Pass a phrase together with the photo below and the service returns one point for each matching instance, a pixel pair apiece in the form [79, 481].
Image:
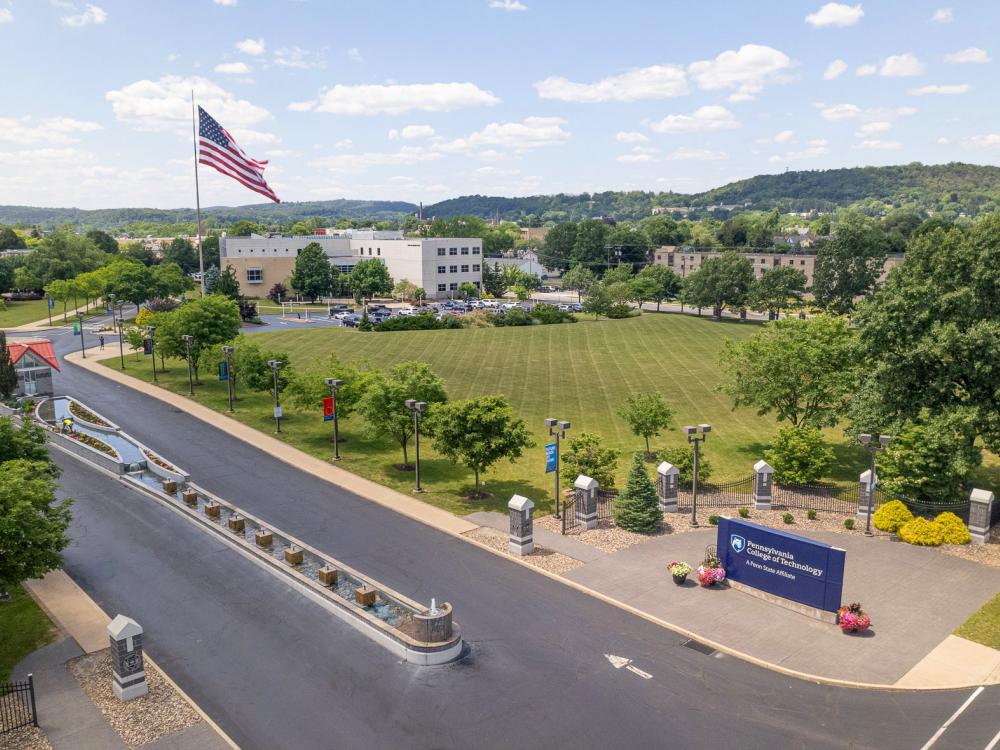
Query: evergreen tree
[227, 284]
[637, 508]
[8, 377]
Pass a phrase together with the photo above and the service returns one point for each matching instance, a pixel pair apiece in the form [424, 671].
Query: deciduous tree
[647, 415]
[312, 276]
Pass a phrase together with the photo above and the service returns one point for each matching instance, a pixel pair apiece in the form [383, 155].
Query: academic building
[439, 265]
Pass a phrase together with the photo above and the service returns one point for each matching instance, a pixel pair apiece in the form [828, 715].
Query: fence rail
[605, 510]
[17, 705]
[735, 494]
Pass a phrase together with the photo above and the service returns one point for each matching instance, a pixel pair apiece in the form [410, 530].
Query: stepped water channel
[422, 635]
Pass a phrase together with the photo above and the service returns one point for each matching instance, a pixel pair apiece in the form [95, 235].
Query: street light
[692, 436]
[418, 408]
[276, 365]
[557, 429]
[187, 338]
[334, 388]
[117, 323]
[150, 330]
[228, 351]
[874, 448]
[83, 347]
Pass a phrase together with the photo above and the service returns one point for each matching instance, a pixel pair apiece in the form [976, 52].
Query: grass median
[23, 629]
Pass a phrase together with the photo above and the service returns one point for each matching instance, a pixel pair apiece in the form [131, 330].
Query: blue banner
[52, 303]
[550, 458]
[787, 565]
[223, 371]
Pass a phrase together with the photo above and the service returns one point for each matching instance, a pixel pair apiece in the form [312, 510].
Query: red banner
[328, 408]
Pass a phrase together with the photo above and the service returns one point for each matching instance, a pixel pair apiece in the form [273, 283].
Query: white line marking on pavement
[993, 742]
[939, 732]
[617, 661]
[643, 675]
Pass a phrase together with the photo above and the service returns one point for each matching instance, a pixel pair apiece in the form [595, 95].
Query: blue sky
[505, 97]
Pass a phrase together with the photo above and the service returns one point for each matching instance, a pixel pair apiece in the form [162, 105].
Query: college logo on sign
[737, 542]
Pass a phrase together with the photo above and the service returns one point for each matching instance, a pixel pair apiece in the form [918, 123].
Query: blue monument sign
[786, 565]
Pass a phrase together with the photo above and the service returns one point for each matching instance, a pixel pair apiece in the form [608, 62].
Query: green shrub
[479, 319]
[550, 314]
[713, 519]
[514, 317]
[417, 323]
[798, 455]
[637, 507]
[811, 515]
[621, 311]
[788, 518]
[953, 530]
[891, 516]
[744, 513]
[849, 524]
[588, 456]
[683, 459]
[922, 532]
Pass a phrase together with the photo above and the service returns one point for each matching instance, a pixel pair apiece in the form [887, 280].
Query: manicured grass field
[19, 313]
[23, 628]
[580, 372]
[984, 626]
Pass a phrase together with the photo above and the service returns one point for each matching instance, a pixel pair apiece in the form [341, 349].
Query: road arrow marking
[617, 661]
[643, 675]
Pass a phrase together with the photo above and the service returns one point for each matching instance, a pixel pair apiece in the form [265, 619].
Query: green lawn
[23, 628]
[579, 372]
[984, 626]
[19, 313]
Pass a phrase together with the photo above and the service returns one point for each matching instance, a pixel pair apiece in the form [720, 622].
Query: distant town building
[534, 234]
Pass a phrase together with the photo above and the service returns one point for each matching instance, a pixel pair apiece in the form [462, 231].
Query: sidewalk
[67, 715]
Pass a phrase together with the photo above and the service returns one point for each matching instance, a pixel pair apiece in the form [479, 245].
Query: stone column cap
[866, 476]
[123, 627]
[763, 467]
[981, 496]
[585, 483]
[667, 468]
[521, 503]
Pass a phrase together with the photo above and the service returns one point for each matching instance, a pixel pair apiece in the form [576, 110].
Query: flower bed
[158, 461]
[80, 411]
[711, 572]
[94, 443]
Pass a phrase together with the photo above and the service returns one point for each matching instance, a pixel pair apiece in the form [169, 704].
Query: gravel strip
[554, 562]
[141, 720]
[25, 738]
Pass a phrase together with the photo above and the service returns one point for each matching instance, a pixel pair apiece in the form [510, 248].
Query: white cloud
[228, 3]
[711, 117]
[251, 46]
[246, 137]
[991, 140]
[747, 70]
[835, 14]
[354, 54]
[878, 145]
[654, 82]
[54, 130]
[630, 136]
[411, 132]
[873, 128]
[834, 70]
[943, 15]
[961, 88]
[819, 142]
[92, 14]
[508, 5]
[165, 104]
[232, 68]
[296, 57]
[696, 154]
[841, 112]
[942, 141]
[814, 151]
[635, 158]
[6, 16]
[866, 70]
[344, 143]
[394, 99]
[900, 66]
[969, 56]
[360, 162]
[785, 136]
[531, 132]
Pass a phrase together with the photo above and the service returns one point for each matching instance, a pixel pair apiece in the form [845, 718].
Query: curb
[220, 421]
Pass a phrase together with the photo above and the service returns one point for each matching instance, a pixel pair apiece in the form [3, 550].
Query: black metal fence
[17, 705]
[605, 510]
[821, 497]
[735, 494]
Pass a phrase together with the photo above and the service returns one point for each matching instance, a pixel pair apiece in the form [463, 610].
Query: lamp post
[692, 436]
[874, 447]
[228, 352]
[117, 322]
[418, 408]
[276, 365]
[187, 338]
[150, 330]
[83, 346]
[557, 429]
[334, 389]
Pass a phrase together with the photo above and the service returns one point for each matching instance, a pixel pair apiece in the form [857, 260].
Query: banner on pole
[223, 371]
[76, 328]
[277, 412]
[550, 458]
[328, 408]
[147, 346]
[52, 303]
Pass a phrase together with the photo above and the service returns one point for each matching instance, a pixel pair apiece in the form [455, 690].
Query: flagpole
[197, 195]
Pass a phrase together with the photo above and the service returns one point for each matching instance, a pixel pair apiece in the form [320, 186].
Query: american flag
[219, 150]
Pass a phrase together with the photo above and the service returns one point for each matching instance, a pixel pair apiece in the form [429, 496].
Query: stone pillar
[128, 673]
[980, 515]
[866, 494]
[432, 626]
[585, 504]
[666, 486]
[763, 485]
[522, 539]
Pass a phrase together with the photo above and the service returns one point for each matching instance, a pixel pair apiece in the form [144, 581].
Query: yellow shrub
[891, 516]
[952, 528]
[144, 317]
[922, 532]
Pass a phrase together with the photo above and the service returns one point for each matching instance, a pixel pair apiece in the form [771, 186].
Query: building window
[255, 275]
[453, 286]
[441, 269]
[442, 287]
[475, 267]
[478, 285]
[465, 251]
[452, 269]
[475, 251]
[802, 262]
[441, 251]
[452, 251]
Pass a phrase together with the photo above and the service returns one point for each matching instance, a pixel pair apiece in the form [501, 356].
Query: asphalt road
[275, 670]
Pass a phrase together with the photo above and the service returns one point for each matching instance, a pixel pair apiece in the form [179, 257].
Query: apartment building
[440, 265]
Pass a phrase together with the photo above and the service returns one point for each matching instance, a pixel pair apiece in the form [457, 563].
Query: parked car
[339, 307]
[573, 307]
[343, 314]
[488, 303]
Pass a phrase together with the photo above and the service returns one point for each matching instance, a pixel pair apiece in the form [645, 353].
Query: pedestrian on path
[100, 340]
